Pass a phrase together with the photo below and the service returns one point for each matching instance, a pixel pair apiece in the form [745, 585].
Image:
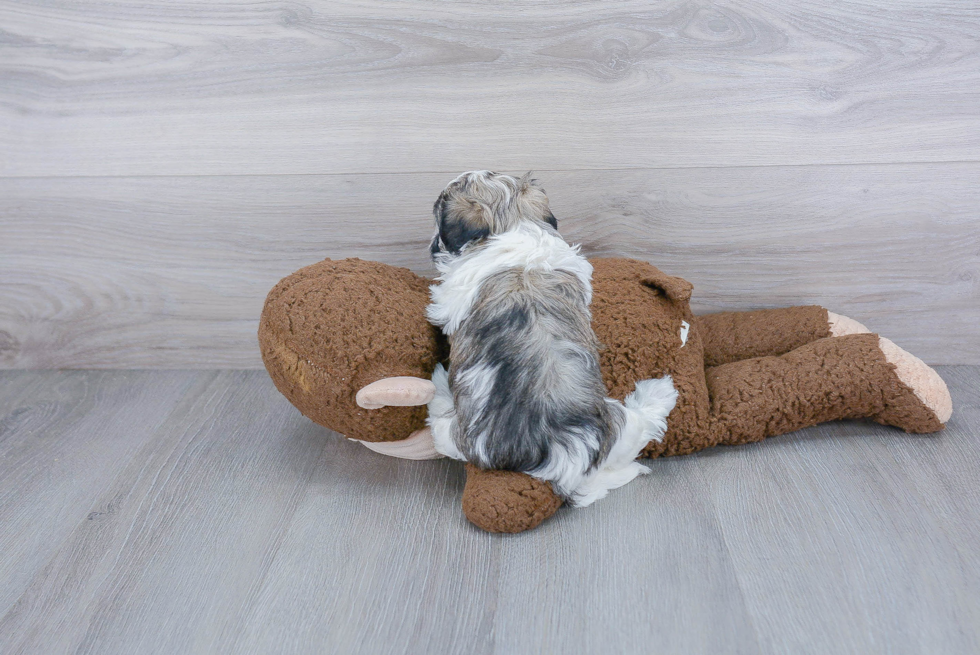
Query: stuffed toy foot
[924, 382]
[846, 377]
[930, 408]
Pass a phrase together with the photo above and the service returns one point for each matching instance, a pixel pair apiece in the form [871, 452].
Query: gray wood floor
[198, 512]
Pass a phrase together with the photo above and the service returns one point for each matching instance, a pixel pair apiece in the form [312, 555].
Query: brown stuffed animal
[348, 343]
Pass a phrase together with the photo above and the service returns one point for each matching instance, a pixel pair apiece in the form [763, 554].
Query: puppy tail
[646, 420]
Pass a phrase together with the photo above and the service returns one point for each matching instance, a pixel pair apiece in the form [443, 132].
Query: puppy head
[479, 204]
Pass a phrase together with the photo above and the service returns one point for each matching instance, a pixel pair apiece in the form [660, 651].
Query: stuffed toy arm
[496, 501]
[507, 501]
[401, 391]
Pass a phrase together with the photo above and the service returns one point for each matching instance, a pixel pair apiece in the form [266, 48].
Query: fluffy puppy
[523, 391]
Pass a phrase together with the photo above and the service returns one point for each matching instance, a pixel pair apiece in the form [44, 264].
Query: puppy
[523, 391]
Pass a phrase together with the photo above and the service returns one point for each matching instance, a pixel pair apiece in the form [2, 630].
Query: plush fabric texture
[829, 379]
[331, 328]
[334, 327]
[504, 501]
[734, 336]
[637, 311]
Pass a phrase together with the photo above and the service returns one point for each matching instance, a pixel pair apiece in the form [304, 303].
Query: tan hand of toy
[400, 391]
[418, 446]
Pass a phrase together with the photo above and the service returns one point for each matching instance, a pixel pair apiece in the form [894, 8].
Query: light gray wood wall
[163, 164]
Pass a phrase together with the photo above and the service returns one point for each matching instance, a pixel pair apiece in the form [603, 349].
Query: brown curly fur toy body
[332, 328]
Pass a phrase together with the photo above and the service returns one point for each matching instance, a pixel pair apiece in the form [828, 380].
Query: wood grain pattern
[228, 523]
[172, 272]
[61, 441]
[163, 164]
[191, 491]
[856, 511]
[158, 88]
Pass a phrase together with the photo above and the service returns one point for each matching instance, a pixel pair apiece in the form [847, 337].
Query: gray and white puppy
[523, 391]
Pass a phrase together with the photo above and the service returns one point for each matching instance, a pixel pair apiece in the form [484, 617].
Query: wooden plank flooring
[198, 512]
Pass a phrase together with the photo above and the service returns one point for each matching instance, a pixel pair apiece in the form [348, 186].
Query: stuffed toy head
[333, 328]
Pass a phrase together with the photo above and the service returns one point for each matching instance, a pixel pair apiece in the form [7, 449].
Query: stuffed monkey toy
[347, 342]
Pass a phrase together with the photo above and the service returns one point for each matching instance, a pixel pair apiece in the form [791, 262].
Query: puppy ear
[462, 223]
[535, 195]
[551, 220]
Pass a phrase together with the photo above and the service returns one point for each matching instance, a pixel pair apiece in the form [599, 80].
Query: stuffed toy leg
[784, 384]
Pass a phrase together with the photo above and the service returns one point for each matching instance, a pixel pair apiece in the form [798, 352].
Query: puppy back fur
[525, 373]
[524, 391]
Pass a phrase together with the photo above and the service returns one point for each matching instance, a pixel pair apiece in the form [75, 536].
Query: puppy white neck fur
[529, 246]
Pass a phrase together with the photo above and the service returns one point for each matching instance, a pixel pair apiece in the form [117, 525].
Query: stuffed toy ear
[506, 501]
[675, 287]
